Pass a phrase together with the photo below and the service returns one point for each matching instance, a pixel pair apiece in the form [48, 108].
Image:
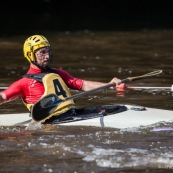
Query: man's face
[43, 56]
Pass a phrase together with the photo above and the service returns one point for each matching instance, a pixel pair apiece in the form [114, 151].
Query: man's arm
[88, 85]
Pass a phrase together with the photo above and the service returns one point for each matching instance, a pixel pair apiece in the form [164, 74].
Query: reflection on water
[94, 56]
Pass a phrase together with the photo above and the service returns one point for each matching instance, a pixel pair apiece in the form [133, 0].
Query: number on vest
[58, 88]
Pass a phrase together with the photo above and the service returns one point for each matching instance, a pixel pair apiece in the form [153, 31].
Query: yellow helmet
[32, 44]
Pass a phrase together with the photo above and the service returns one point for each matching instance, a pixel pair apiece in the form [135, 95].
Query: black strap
[39, 77]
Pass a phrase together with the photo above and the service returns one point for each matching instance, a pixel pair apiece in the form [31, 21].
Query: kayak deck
[133, 116]
[80, 114]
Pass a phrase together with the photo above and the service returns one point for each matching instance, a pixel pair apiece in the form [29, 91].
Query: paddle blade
[45, 106]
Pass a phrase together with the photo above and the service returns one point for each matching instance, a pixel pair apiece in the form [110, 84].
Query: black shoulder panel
[39, 77]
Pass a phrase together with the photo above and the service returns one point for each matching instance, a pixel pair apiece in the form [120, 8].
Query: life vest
[53, 83]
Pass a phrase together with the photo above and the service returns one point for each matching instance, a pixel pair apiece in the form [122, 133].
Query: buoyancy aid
[53, 83]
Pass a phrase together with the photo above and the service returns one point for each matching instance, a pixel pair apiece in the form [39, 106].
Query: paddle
[46, 106]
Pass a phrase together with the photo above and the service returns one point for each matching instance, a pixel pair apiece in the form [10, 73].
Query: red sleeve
[71, 82]
[13, 91]
[28, 89]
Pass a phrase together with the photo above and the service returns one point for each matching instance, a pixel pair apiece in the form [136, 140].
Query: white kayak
[134, 116]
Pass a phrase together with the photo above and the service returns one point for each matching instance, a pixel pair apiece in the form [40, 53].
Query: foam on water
[131, 157]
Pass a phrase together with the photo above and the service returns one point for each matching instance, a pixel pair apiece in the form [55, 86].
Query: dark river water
[93, 56]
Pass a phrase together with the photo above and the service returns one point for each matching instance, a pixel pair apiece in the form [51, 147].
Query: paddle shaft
[94, 90]
[90, 91]
[111, 85]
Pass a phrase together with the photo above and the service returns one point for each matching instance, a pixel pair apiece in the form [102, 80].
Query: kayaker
[41, 80]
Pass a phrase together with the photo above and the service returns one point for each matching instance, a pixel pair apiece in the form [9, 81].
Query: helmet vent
[37, 40]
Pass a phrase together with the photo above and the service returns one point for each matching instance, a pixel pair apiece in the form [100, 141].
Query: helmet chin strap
[39, 66]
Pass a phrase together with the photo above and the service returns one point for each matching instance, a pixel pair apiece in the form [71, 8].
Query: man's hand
[116, 81]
